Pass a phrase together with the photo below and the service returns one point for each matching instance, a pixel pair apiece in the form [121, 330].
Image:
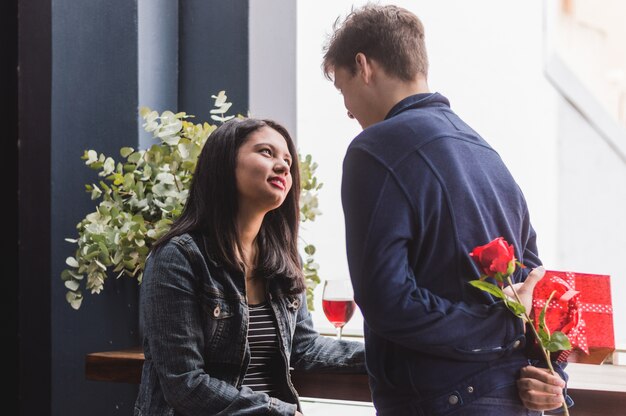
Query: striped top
[264, 350]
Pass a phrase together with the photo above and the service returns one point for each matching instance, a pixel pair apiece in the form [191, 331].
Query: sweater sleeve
[380, 226]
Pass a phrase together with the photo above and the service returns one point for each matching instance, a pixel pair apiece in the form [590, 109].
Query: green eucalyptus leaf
[117, 178]
[72, 285]
[135, 158]
[100, 265]
[76, 276]
[108, 167]
[313, 266]
[91, 255]
[91, 157]
[74, 299]
[71, 261]
[96, 193]
[65, 275]
[96, 165]
[126, 151]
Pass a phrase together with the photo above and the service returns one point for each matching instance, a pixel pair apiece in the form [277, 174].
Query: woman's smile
[278, 182]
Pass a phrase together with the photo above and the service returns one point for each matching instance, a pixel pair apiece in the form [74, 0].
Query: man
[420, 190]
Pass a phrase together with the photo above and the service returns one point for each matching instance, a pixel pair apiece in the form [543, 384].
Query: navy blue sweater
[420, 190]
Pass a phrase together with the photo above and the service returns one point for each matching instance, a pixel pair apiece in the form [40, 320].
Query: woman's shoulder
[184, 240]
[184, 244]
[192, 245]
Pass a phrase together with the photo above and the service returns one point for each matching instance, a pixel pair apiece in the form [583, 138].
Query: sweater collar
[416, 101]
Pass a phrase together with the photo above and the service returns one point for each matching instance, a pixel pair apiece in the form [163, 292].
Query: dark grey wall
[93, 106]
[79, 90]
[213, 55]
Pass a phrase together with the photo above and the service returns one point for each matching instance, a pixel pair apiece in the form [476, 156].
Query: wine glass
[338, 302]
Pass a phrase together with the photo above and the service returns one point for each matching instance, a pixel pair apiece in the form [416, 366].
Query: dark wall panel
[94, 106]
[34, 207]
[8, 102]
[213, 55]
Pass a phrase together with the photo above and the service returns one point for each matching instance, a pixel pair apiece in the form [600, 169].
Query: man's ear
[363, 67]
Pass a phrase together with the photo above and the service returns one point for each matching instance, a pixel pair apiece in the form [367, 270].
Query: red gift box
[581, 308]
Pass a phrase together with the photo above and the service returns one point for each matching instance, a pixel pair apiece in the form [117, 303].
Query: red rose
[495, 257]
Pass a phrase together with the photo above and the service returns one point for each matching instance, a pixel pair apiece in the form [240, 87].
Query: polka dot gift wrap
[581, 308]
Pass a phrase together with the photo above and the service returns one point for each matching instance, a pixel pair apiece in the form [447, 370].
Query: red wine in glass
[338, 311]
[338, 303]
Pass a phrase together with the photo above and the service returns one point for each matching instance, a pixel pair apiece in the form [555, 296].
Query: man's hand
[539, 390]
[525, 289]
[298, 413]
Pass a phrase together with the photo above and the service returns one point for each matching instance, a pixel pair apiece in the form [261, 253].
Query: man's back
[420, 190]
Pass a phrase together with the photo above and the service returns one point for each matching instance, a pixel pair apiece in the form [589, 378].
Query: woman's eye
[288, 161]
[266, 151]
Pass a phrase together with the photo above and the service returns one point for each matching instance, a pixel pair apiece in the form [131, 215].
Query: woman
[223, 304]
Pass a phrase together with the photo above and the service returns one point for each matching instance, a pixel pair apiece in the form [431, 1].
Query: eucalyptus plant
[141, 194]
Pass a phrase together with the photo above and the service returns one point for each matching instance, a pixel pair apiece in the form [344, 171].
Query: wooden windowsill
[597, 390]
[125, 366]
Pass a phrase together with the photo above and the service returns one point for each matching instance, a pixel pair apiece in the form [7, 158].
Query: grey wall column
[273, 61]
[158, 59]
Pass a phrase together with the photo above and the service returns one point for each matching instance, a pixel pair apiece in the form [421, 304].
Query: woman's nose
[281, 167]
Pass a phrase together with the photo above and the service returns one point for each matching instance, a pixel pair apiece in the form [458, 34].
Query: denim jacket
[194, 317]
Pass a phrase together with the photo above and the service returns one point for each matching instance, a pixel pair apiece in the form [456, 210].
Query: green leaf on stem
[558, 342]
[544, 331]
[517, 308]
[489, 288]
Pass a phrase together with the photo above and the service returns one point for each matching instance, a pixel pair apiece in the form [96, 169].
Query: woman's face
[263, 171]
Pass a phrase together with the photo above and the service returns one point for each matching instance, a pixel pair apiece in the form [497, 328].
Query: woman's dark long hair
[211, 208]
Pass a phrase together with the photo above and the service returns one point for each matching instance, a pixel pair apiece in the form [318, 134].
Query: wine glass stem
[339, 332]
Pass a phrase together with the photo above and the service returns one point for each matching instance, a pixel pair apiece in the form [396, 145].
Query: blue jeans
[501, 402]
